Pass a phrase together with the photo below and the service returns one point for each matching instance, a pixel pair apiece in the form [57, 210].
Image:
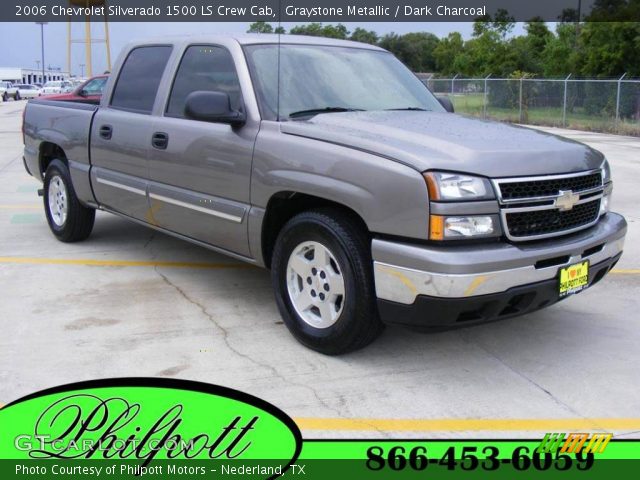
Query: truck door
[121, 130]
[200, 171]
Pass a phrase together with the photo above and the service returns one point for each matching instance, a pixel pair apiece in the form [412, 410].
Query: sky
[24, 38]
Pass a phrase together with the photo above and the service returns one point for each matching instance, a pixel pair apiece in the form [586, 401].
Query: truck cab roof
[253, 39]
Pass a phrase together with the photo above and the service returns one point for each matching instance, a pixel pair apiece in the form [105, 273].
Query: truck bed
[62, 123]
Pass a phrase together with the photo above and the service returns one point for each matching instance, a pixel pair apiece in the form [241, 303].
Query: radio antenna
[279, 34]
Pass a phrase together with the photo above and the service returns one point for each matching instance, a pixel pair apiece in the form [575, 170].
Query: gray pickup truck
[330, 163]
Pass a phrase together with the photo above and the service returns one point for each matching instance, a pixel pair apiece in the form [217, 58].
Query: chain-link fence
[604, 105]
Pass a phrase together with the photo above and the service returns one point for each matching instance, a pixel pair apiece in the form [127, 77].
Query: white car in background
[5, 88]
[56, 86]
[22, 90]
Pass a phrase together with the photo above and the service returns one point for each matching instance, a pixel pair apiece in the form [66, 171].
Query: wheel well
[48, 152]
[283, 206]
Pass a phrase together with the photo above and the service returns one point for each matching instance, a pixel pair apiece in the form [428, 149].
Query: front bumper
[445, 285]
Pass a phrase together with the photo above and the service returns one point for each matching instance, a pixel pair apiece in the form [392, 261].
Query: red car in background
[88, 92]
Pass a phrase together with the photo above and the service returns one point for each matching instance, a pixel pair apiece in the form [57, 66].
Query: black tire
[358, 322]
[5, 97]
[17, 97]
[79, 219]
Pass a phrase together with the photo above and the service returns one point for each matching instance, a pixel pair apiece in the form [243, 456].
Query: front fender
[390, 197]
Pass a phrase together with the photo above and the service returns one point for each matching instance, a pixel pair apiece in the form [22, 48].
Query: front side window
[207, 68]
[139, 78]
[95, 86]
[320, 76]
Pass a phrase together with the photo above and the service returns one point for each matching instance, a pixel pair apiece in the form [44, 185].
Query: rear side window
[208, 68]
[139, 78]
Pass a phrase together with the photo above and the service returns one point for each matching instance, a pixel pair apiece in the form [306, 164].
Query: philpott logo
[148, 419]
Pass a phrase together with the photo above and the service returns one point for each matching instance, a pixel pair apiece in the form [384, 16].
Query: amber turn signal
[436, 227]
[432, 186]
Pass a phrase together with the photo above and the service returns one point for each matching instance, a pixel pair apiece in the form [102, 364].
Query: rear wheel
[18, 96]
[322, 276]
[68, 219]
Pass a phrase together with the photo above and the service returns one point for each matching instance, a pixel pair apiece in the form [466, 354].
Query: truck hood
[444, 141]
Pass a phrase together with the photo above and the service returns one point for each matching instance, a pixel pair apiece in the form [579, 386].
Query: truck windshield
[325, 79]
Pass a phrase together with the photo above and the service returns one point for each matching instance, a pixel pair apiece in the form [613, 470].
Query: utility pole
[82, 70]
[42, 24]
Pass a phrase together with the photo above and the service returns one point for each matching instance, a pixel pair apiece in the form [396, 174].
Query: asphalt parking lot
[133, 302]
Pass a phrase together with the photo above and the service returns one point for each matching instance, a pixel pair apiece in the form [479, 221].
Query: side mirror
[446, 103]
[83, 93]
[212, 107]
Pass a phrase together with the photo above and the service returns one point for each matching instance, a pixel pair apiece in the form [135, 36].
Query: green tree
[446, 52]
[530, 50]
[483, 55]
[501, 23]
[416, 50]
[421, 49]
[364, 36]
[519, 56]
[260, 27]
[560, 57]
[538, 34]
[397, 45]
[610, 49]
[489, 51]
[280, 30]
[609, 45]
[318, 30]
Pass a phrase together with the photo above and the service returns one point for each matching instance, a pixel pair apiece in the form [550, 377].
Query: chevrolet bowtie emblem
[566, 200]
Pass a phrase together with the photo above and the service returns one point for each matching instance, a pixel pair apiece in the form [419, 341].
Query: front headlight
[445, 186]
[462, 226]
[605, 203]
[606, 172]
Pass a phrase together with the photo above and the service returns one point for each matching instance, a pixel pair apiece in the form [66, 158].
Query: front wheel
[323, 280]
[5, 97]
[68, 219]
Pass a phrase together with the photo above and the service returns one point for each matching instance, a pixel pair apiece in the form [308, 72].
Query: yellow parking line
[468, 424]
[157, 263]
[17, 206]
[119, 263]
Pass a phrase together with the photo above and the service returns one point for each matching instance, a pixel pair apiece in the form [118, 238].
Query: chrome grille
[547, 206]
[550, 221]
[549, 187]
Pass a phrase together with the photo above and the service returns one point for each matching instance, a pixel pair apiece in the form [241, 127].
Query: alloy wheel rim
[315, 284]
[58, 205]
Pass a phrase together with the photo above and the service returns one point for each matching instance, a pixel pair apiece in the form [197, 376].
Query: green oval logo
[146, 422]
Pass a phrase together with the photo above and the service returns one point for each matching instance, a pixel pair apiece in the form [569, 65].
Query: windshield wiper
[316, 111]
[412, 109]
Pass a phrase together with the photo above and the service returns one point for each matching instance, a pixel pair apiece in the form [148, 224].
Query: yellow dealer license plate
[574, 278]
